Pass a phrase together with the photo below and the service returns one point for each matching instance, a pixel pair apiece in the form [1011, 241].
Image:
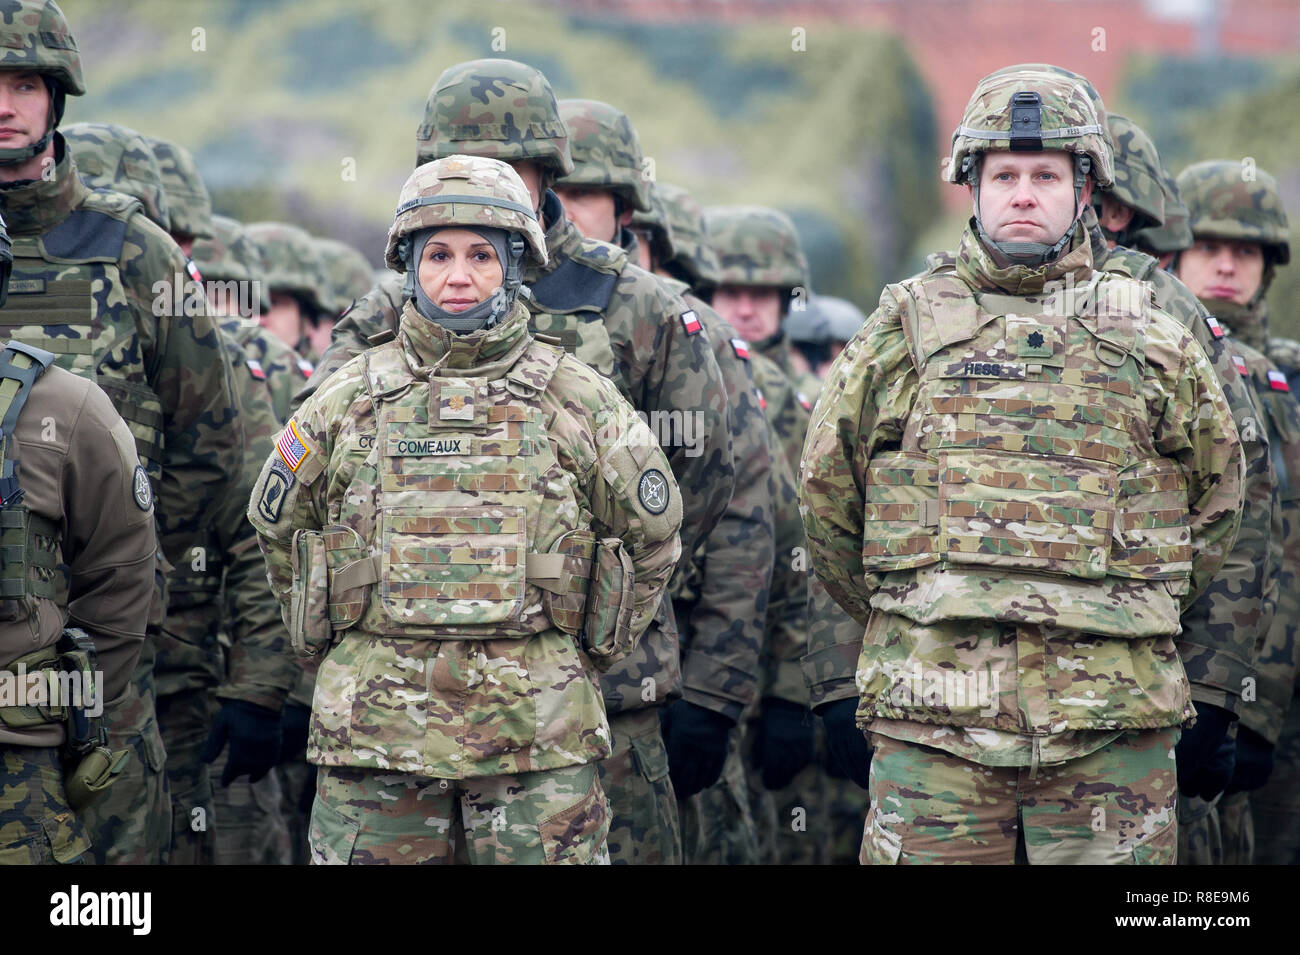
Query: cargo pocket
[66, 835]
[351, 574]
[1159, 849]
[452, 566]
[1153, 540]
[576, 836]
[879, 845]
[309, 623]
[332, 836]
[900, 512]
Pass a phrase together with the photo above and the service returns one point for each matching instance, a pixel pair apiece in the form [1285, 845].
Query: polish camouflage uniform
[88, 260]
[292, 265]
[626, 325]
[720, 594]
[118, 159]
[347, 274]
[465, 684]
[896, 479]
[727, 610]
[1224, 204]
[189, 203]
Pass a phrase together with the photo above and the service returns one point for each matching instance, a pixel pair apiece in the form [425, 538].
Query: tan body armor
[1028, 487]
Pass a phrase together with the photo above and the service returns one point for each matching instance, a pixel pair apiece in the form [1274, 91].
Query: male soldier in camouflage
[187, 196]
[348, 276]
[1136, 201]
[295, 277]
[1240, 236]
[1016, 488]
[630, 328]
[86, 272]
[476, 522]
[720, 595]
[118, 159]
[1164, 241]
[81, 510]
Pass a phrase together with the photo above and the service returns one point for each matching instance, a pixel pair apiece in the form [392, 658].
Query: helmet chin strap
[486, 313]
[17, 156]
[1032, 254]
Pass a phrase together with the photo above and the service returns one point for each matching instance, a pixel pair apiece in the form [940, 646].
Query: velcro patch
[1277, 381]
[985, 369]
[1213, 325]
[305, 367]
[691, 321]
[420, 447]
[803, 400]
[193, 269]
[1241, 364]
[741, 348]
[275, 488]
[141, 489]
[255, 367]
[653, 491]
[292, 447]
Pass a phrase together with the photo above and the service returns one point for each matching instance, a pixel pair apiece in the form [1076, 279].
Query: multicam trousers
[644, 828]
[36, 825]
[1113, 806]
[367, 816]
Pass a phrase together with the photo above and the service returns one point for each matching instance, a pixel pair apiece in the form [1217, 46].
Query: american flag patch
[741, 348]
[1215, 328]
[691, 321]
[193, 269]
[1241, 364]
[291, 446]
[255, 367]
[305, 367]
[1277, 381]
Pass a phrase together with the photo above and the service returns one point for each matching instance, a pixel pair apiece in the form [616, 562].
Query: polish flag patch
[741, 348]
[193, 269]
[691, 321]
[803, 400]
[1241, 364]
[255, 367]
[1215, 328]
[305, 367]
[762, 402]
[1277, 381]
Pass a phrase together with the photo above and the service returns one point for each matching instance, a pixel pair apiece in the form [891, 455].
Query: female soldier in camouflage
[469, 523]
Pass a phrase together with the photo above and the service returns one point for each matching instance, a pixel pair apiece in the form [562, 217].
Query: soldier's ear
[1086, 195]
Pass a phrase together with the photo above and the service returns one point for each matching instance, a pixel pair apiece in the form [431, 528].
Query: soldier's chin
[1023, 233]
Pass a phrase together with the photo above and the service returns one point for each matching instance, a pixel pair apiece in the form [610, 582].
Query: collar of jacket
[432, 350]
[35, 206]
[977, 265]
[562, 238]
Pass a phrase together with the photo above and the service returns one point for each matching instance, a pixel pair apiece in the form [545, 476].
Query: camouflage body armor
[1027, 466]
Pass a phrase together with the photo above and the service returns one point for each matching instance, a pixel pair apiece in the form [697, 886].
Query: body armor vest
[1028, 488]
[479, 532]
[66, 295]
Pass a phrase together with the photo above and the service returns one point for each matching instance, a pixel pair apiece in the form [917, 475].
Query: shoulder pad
[536, 366]
[1130, 262]
[940, 262]
[386, 369]
[87, 235]
[116, 204]
[603, 256]
[574, 285]
[381, 338]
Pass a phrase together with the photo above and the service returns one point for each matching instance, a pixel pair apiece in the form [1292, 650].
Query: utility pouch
[309, 619]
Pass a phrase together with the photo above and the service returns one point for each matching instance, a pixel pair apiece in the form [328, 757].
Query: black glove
[697, 746]
[1205, 754]
[294, 722]
[254, 735]
[1254, 761]
[850, 751]
[785, 741]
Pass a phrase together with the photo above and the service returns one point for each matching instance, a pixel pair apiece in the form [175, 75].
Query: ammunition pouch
[588, 593]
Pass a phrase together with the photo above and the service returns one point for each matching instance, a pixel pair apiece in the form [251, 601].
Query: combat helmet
[1137, 176]
[1030, 110]
[1226, 200]
[290, 264]
[347, 272]
[472, 192]
[654, 223]
[693, 259]
[187, 196]
[500, 109]
[756, 246]
[34, 35]
[119, 159]
[231, 256]
[606, 151]
[1175, 234]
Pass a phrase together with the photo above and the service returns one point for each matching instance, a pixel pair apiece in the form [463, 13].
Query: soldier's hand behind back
[785, 741]
[850, 751]
[1205, 754]
[696, 738]
[253, 733]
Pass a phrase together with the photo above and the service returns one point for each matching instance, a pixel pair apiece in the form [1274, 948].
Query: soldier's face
[319, 335]
[531, 173]
[1028, 197]
[284, 319]
[458, 269]
[1222, 268]
[592, 211]
[1114, 215]
[754, 312]
[24, 108]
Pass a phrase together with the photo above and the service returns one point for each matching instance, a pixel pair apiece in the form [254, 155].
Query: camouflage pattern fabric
[544, 817]
[31, 787]
[1238, 829]
[1223, 203]
[184, 718]
[230, 256]
[1137, 173]
[290, 263]
[1175, 234]
[544, 672]
[1275, 807]
[119, 159]
[188, 201]
[35, 36]
[717, 823]
[873, 383]
[928, 807]
[644, 827]
[606, 152]
[756, 246]
[251, 829]
[693, 259]
[1200, 837]
[347, 271]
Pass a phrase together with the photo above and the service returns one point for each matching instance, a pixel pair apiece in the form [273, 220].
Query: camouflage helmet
[290, 263]
[1083, 81]
[34, 35]
[231, 256]
[1224, 203]
[756, 246]
[501, 109]
[606, 151]
[187, 196]
[808, 326]
[654, 221]
[843, 318]
[1030, 109]
[693, 258]
[347, 271]
[119, 159]
[1137, 173]
[1175, 234]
